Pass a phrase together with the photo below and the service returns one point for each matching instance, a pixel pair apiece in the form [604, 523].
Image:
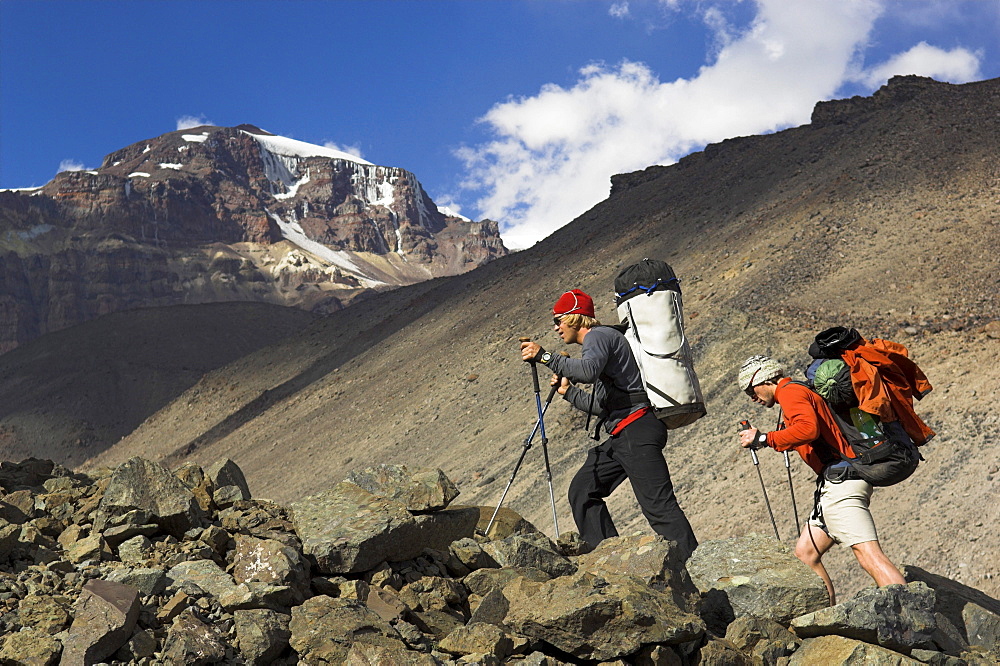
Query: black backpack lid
[832, 342]
[645, 277]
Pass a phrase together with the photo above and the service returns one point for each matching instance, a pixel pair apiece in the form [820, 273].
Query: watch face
[547, 357]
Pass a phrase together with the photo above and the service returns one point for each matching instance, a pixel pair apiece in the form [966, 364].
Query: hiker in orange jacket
[841, 512]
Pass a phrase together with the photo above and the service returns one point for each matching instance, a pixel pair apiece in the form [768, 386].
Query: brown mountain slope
[883, 214]
[68, 395]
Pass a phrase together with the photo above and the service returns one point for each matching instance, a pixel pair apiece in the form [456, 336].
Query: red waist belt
[634, 416]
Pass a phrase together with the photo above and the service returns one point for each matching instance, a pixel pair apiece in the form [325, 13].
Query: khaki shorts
[846, 518]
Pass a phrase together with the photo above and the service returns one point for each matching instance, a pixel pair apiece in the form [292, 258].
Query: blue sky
[515, 110]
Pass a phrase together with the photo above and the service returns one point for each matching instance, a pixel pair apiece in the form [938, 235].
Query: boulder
[143, 485]
[753, 575]
[147, 580]
[192, 641]
[478, 638]
[529, 550]
[764, 640]
[721, 652]
[348, 530]
[419, 490]
[43, 613]
[323, 630]
[228, 483]
[262, 635]
[897, 617]
[975, 615]
[652, 558]
[105, 616]
[194, 479]
[30, 646]
[840, 651]
[484, 581]
[507, 522]
[269, 561]
[365, 654]
[595, 617]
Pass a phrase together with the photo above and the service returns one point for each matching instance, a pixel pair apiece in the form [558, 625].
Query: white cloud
[552, 154]
[70, 165]
[187, 122]
[619, 9]
[350, 150]
[957, 65]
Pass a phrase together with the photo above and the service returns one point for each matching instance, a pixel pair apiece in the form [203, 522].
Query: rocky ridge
[141, 565]
[221, 214]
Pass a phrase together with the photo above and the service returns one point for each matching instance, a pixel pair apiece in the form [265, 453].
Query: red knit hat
[574, 302]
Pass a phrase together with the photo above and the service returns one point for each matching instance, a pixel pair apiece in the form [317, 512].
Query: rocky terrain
[882, 214]
[217, 214]
[141, 565]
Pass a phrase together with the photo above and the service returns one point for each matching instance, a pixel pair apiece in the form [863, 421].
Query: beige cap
[757, 370]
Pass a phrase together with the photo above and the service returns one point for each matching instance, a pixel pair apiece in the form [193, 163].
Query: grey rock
[225, 473]
[478, 638]
[418, 490]
[347, 529]
[105, 616]
[140, 484]
[506, 522]
[721, 652]
[753, 575]
[193, 641]
[438, 530]
[262, 635]
[470, 553]
[491, 609]
[147, 580]
[975, 615]
[484, 581]
[652, 558]
[898, 617]
[269, 561]
[365, 654]
[29, 647]
[324, 629]
[135, 551]
[763, 639]
[529, 550]
[841, 651]
[599, 618]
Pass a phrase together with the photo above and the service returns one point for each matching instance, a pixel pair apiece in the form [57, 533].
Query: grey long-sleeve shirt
[607, 363]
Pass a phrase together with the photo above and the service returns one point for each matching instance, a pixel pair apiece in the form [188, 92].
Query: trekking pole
[527, 445]
[745, 425]
[545, 439]
[791, 489]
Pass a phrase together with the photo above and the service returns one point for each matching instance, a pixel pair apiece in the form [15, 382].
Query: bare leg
[874, 561]
[811, 539]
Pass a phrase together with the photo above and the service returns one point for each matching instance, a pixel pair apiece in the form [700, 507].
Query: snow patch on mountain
[280, 145]
[293, 231]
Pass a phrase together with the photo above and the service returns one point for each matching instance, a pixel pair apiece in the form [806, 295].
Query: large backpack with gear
[650, 308]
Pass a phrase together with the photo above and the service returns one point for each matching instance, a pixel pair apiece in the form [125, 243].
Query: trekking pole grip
[745, 425]
[534, 368]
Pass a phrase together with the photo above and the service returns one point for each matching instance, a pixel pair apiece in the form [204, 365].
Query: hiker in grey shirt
[634, 449]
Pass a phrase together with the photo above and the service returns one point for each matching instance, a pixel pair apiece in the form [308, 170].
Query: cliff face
[216, 214]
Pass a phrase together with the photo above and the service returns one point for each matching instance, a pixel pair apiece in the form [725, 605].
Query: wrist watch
[546, 357]
[761, 440]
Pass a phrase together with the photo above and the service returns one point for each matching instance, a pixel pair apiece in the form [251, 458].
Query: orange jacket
[886, 381]
[809, 426]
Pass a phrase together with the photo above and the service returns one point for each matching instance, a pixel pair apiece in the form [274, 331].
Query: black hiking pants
[636, 453]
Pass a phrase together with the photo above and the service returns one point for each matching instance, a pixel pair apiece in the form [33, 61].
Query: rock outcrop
[141, 565]
[219, 214]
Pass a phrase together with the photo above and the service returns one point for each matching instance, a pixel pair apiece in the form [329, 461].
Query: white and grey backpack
[650, 308]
